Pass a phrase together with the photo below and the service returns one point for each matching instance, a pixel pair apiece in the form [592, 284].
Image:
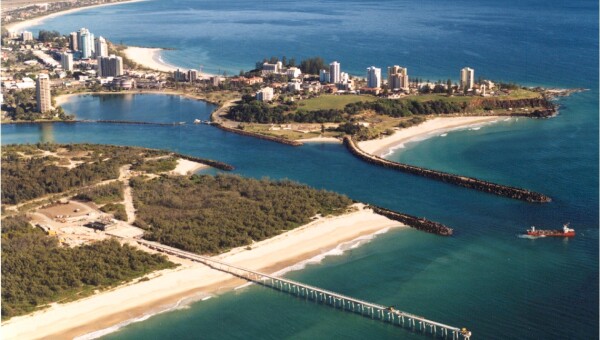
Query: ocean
[485, 277]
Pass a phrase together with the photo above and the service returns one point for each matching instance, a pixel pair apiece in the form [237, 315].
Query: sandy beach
[148, 57]
[429, 128]
[320, 140]
[22, 25]
[187, 167]
[195, 281]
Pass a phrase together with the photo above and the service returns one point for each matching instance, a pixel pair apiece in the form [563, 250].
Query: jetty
[463, 181]
[321, 296]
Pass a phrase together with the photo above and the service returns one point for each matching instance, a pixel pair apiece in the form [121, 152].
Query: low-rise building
[265, 94]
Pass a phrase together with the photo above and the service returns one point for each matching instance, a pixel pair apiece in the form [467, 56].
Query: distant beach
[381, 147]
[18, 26]
[195, 281]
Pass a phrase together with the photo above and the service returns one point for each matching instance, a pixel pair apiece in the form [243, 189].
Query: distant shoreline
[22, 25]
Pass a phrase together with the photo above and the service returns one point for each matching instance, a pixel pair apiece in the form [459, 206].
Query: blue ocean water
[484, 277]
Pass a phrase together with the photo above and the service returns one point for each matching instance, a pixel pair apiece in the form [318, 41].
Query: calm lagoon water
[485, 277]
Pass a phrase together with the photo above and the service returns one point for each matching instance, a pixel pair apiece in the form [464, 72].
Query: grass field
[515, 94]
[330, 101]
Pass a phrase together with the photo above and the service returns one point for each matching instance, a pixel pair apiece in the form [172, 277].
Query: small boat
[564, 232]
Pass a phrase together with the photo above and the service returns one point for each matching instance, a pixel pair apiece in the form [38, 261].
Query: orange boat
[564, 232]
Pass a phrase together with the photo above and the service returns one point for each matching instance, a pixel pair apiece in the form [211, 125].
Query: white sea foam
[337, 251]
[530, 237]
[443, 135]
[179, 305]
[475, 128]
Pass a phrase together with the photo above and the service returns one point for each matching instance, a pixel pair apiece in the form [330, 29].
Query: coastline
[22, 25]
[383, 146]
[148, 57]
[194, 281]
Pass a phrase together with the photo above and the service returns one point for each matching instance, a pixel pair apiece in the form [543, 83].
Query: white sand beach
[187, 167]
[193, 280]
[19, 26]
[149, 57]
[431, 127]
[320, 140]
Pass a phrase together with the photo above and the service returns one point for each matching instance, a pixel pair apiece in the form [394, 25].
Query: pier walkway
[318, 295]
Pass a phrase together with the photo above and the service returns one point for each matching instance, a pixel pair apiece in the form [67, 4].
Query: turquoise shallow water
[484, 277]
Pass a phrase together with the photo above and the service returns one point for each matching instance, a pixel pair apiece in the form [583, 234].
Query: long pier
[318, 295]
[463, 181]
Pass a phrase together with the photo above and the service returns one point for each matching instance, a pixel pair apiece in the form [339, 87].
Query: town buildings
[42, 89]
[73, 41]
[26, 36]
[86, 43]
[66, 61]
[467, 78]
[373, 77]
[324, 76]
[265, 94]
[334, 72]
[111, 66]
[101, 47]
[268, 68]
[397, 78]
[192, 75]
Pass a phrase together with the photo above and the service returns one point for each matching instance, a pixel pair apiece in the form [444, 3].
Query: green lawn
[330, 101]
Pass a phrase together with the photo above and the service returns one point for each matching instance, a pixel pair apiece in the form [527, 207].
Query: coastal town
[109, 220]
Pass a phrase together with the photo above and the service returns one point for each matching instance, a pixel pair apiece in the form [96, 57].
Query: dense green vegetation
[156, 165]
[21, 106]
[37, 271]
[403, 108]
[117, 209]
[208, 215]
[26, 178]
[102, 194]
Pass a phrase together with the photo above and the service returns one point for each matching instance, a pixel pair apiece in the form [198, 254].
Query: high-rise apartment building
[111, 66]
[397, 77]
[324, 76]
[66, 61]
[101, 48]
[467, 78]
[26, 36]
[192, 75]
[373, 77]
[73, 41]
[334, 72]
[86, 43]
[42, 89]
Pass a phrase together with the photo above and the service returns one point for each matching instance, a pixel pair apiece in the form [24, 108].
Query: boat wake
[531, 237]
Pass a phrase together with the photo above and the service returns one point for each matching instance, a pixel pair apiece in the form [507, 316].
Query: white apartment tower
[373, 77]
[86, 43]
[324, 76]
[26, 36]
[192, 75]
[66, 61]
[334, 72]
[101, 48]
[42, 92]
[467, 78]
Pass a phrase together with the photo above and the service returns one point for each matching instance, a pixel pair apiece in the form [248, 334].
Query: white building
[86, 43]
[397, 78]
[334, 72]
[272, 68]
[265, 94]
[111, 66]
[294, 86]
[42, 89]
[467, 78]
[101, 48]
[66, 61]
[26, 36]
[373, 77]
[293, 72]
[324, 76]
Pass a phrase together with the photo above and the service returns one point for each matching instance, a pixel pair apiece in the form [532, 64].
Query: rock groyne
[467, 182]
[422, 224]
